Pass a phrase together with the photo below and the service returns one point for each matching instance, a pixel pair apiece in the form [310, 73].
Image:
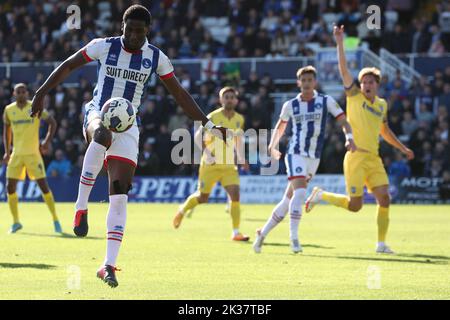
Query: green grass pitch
[199, 261]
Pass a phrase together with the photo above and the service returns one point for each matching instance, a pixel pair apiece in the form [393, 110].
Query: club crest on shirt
[146, 63]
[112, 57]
[298, 169]
[318, 106]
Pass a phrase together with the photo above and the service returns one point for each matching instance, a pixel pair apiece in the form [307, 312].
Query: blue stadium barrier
[282, 70]
[254, 189]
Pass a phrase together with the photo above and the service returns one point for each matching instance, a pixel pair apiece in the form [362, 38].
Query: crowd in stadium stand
[31, 32]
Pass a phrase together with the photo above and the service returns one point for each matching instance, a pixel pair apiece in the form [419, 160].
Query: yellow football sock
[190, 203]
[339, 200]
[235, 212]
[13, 201]
[383, 222]
[48, 198]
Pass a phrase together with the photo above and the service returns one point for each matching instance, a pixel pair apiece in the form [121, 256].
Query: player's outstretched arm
[280, 128]
[56, 77]
[347, 78]
[7, 138]
[185, 100]
[392, 139]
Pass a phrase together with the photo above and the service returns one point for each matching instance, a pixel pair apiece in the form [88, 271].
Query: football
[118, 114]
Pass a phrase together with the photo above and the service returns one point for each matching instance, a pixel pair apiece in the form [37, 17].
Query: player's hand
[44, 147]
[350, 145]
[408, 153]
[210, 159]
[275, 153]
[338, 33]
[220, 132]
[37, 105]
[245, 166]
[6, 158]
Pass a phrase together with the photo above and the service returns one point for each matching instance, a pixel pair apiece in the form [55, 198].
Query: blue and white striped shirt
[309, 119]
[122, 73]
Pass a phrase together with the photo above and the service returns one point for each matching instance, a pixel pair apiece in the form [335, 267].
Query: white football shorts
[298, 166]
[124, 145]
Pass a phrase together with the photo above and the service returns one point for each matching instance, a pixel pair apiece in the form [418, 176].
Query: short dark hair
[138, 12]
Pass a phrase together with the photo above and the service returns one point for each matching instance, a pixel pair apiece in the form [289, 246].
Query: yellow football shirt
[223, 153]
[366, 119]
[25, 129]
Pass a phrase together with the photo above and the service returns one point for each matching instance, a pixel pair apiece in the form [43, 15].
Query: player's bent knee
[235, 198]
[102, 136]
[384, 200]
[203, 198]
[354, 206]
[10, 188]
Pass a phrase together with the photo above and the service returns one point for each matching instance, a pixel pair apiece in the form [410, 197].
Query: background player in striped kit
[125, 65]
[308, 112]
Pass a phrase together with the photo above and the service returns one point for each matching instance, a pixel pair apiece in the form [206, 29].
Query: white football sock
[92, 164]
[295, 211]
[115, 223]
[278, 214]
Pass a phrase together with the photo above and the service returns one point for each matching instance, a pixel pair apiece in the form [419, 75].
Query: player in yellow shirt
[367, 115]
[218, 161]
[22, 131]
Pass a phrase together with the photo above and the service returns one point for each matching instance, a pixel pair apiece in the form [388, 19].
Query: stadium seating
[45, 39]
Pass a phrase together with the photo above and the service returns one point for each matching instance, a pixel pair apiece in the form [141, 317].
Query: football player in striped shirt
[125, 66]
[308, 112]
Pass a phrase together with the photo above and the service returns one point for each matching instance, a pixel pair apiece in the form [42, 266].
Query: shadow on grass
[61, 235]
[277, 244]
[424, 256]
[26, 265]
[384, 258]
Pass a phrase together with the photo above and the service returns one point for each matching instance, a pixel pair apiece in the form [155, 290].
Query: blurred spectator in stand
[424, 115]
[399, 168]
[253, 83]
[409, 124]
[148, 160]
[78, 166]
[163, 147]
[60, 166]
[178, 120]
